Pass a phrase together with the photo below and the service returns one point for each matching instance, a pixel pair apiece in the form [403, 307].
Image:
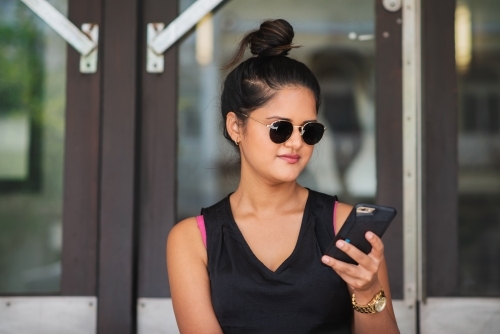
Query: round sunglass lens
[313, 132]
[280, 131]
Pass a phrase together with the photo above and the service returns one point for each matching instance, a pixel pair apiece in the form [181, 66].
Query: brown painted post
[389, 135]
[158, 157]
[116, 278]
[440, 114]
[81, 164]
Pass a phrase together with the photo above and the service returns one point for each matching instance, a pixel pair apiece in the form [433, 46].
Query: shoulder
[341, 214]
[325, 202]
[185, 240]
[188, 279]
[184, 230]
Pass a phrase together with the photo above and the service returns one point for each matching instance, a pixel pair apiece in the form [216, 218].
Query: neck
[257, 195]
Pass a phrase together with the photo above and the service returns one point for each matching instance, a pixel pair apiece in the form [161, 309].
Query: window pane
[478, 64]
[337, 44]
[32, 102]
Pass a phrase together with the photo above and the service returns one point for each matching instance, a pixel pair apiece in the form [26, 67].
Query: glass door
[49, 155]
[32, 118]
[463, 178]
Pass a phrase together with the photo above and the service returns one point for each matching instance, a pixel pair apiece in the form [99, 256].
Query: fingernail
[369, 235]
[340, 244]
[325, 259]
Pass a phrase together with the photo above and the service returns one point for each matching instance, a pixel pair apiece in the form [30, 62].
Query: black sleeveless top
[302, 296]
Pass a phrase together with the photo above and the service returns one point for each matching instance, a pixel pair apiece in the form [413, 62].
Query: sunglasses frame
[301, 129]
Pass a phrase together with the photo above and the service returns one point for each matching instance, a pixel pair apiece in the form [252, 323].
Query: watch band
[375, 305]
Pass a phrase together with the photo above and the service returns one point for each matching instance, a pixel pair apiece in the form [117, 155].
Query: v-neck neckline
[283, 264]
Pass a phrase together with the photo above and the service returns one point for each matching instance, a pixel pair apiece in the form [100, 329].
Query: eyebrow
[288, 119]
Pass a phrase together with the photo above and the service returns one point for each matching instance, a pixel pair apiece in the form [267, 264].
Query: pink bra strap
[201, 226]
[334, 218]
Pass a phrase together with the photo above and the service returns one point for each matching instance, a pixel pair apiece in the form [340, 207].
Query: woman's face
[278, 163]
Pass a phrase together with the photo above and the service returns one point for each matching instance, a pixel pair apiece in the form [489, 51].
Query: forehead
[295, 103]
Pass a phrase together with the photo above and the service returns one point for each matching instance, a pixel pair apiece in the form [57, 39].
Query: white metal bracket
[160, 40]
[88, 63]
[84, 41]
[155, 62]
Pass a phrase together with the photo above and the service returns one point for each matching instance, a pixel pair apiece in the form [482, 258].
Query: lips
[290, 158]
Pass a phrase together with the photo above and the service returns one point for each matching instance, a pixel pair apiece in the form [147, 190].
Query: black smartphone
[363, 218]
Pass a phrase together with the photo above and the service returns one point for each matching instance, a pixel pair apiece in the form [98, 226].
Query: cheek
[305, 156]
[258, 141]
[307, 152]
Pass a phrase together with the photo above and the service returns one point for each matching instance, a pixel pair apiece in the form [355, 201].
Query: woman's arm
[365, 280]
[189, 281]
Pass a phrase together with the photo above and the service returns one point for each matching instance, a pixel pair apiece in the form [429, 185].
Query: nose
[295, 141]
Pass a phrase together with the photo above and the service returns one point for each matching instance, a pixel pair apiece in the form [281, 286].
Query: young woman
[253, 263]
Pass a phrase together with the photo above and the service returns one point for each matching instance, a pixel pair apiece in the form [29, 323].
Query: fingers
[357, 277]
[370, 261]
[354, 253]
[377, 245]
[363, 275]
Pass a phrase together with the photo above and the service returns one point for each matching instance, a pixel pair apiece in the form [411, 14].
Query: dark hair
[255, 81]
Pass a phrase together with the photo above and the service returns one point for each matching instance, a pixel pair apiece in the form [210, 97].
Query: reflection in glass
[338, 45]
[32, 101]
[478, 65]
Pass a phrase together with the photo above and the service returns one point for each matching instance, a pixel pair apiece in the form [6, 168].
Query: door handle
[160, 39]
[84, 41]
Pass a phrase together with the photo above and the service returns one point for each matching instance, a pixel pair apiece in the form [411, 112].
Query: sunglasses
[281, 131]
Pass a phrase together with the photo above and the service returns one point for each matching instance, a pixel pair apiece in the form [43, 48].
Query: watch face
[380, 304]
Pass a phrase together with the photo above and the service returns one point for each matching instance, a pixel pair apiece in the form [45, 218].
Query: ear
[233, 126]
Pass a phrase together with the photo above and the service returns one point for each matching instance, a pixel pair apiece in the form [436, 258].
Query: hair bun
[274, 38]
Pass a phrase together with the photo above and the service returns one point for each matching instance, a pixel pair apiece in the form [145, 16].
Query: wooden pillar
[389, 136]
[158, 157]
[81, 164]
[440, 118]
[117, 251]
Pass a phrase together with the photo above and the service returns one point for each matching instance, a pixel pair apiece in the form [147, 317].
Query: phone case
[361, 220]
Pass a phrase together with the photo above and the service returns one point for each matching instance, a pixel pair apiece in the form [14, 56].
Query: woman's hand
[365, 280]
[362, 278]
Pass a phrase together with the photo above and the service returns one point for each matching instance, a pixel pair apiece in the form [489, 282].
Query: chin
[288, 176]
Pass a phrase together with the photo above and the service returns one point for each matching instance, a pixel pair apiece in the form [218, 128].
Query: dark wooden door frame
[389, 135]
[440, 132]
[81, 164]
[99, 219]
[158, 157]
[110, 148]
[440, 151]
[117, 232]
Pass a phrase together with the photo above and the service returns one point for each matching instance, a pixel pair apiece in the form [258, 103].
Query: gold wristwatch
[377, 304]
